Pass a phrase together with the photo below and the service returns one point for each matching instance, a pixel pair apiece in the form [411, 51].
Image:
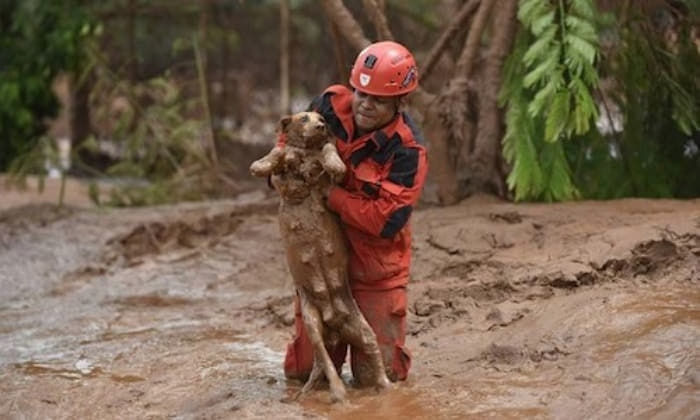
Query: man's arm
[386, 214]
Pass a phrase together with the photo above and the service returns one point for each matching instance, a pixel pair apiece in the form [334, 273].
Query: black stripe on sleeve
[404, 167]
[387, 149]
[397, 220]
[362, 153]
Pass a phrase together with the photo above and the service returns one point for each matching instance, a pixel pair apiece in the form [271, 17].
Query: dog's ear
[284, 123]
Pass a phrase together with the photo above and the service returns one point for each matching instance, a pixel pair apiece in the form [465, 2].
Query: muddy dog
[316, 248]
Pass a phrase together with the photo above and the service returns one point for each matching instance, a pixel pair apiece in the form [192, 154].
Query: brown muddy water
[184, 312]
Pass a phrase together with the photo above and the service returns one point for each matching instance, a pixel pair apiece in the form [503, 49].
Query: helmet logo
[364, 79]
[410, 77]
[370, 60]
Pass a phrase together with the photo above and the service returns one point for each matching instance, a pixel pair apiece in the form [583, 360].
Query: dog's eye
[304, 119]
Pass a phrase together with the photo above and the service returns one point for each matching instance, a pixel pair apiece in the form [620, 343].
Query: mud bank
[568, 311]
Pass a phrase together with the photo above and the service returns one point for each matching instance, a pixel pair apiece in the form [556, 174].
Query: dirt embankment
[572, 311]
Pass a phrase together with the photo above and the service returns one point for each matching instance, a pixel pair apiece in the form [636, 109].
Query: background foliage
[38, 39]
[601, 101]
[657, 89]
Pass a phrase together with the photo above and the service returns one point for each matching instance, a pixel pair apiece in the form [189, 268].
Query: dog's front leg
[332, 163]
[269, 163]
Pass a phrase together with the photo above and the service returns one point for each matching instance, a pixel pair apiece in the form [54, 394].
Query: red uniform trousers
[385, 311]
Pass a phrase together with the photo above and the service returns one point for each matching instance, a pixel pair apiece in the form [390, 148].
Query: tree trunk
[347, 24]
[80, 112]
[453, 121]
[132, 60]
[483, 169]
[339, 54]
[203, 70]
[460, 19]
[465, 64]
[441, 152]
[376, 14]
[223, 110]
[284, 58]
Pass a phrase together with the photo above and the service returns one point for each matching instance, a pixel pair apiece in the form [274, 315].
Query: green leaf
[541, 47]
[583, 8]
[545, 68]
[585, 108]
[529, 10]
[544, 96]
[581, 46]
[543, 23]
[556, 173]
[581, 28]
[557, 116]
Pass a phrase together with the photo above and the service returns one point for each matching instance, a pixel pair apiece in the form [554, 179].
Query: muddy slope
[571, 311]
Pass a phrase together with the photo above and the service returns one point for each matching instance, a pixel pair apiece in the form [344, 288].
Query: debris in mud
[510, 217]
[33, 215]
[561, 280]
[460, 269]
[501, 320]
[159, 237]
[449, 249]
[434, 310]
[82, 369]
[16, 220]
[495, 315]
[497, 292]
[504, 354]
[440, 305]
[152, 301]
[647, 257]
[75, 279]
[550, 354]
[497, 242]
[427, 306]
[278, 311]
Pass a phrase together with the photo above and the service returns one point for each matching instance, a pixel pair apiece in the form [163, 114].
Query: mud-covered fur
[316, 248]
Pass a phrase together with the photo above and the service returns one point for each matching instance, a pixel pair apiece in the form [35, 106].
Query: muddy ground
[568, 311]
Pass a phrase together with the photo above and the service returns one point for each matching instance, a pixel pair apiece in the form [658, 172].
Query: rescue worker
[387, 166]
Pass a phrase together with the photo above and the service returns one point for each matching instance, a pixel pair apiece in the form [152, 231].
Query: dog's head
[306, 130]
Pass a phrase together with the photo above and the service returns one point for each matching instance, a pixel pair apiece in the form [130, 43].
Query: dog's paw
[332, 163]
[261, 168]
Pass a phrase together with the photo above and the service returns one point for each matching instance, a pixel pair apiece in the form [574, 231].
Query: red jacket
[386, 173]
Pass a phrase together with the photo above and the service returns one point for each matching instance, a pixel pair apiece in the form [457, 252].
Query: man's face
[372, 112]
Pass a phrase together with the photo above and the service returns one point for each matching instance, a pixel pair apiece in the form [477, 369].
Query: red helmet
[384, 68]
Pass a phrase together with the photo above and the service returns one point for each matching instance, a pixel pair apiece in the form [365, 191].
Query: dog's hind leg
[314, 327]
[315, 283]
[314, 378]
